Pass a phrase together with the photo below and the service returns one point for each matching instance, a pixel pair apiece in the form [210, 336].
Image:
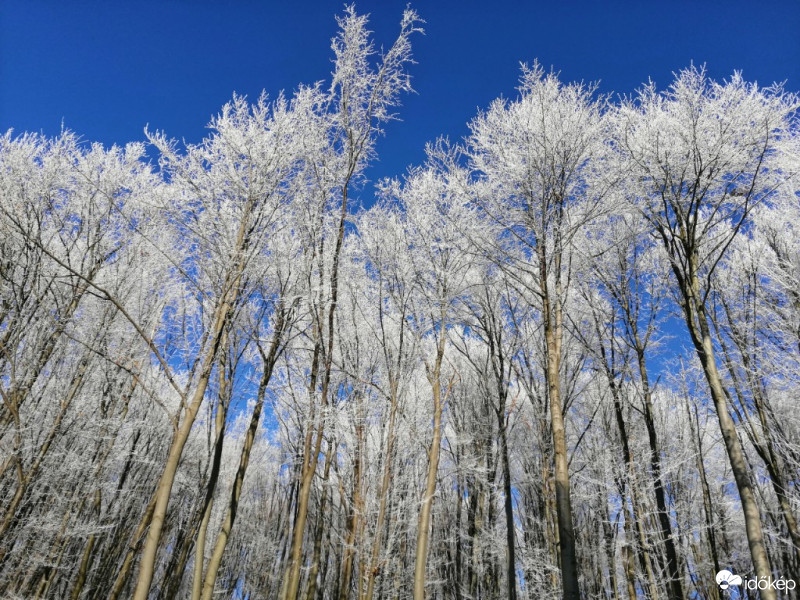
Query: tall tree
[535, 154]
[701, 157]
[361, 98]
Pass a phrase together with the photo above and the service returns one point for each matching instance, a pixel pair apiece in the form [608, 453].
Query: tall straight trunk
[356, 514]
[645, 557]
[424, 521]
[313, 439]
[495, 339]
[627, 457]
[552, 316]
[287, 533]
[549, 509]
[609, 534]
[208, 503]
[318, 535]
[509, 508]
[492, 571]
[292, 577]
[675, 584]
[763, 442]
[630, 571]
[328, 549]
[373, 567]
[458, 563]
[697, 322]
[475, 512]
[707, 505]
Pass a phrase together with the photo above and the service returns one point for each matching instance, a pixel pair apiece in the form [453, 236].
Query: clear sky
[107, 68]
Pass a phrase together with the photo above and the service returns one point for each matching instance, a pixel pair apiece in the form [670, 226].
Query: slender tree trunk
[477, 499]
[611, 552]
[458, 563]
[707, 504]
[550, 518]
[208, 503]
[566, 532]
[87, 554]
[292, 586]
[221, 315]
[320, 529]
[424, 521]
[355, 516]
[630, 571]
[374, 567]
[644, 546]
[164, 489]
[327, 551]
[229, 519]
[511, 563]
[697, 322]
[763, 442]
[127, 563]
[627, 457]
[173, 574]
[675, 585]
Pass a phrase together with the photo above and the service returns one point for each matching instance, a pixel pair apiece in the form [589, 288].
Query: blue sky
[108, 68]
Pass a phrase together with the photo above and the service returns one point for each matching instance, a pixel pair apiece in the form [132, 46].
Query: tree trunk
[697, 321]
[318, 535]
[164, 489]
[221, 315]
[292, 586]
[764, 446]
[229, 519]
[208, 504]
[374, 567]
[675, 584]
[424, 521]
[509, 509]
[355, 516]
[566, 532]
[124, 571]
[627, 457]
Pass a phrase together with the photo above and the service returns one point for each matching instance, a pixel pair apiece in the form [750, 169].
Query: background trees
[220, 376]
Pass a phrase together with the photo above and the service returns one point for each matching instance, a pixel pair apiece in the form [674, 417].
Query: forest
[559, 359]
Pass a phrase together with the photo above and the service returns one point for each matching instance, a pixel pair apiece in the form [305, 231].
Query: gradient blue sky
[108, 68]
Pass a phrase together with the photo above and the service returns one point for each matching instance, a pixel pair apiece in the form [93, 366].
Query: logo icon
[726, 579]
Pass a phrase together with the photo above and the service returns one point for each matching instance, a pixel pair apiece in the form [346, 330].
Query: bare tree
[701, 159]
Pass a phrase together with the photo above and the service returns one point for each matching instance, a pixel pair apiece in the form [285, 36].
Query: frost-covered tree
[698, 159]
[234, 370]
[536, 154]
